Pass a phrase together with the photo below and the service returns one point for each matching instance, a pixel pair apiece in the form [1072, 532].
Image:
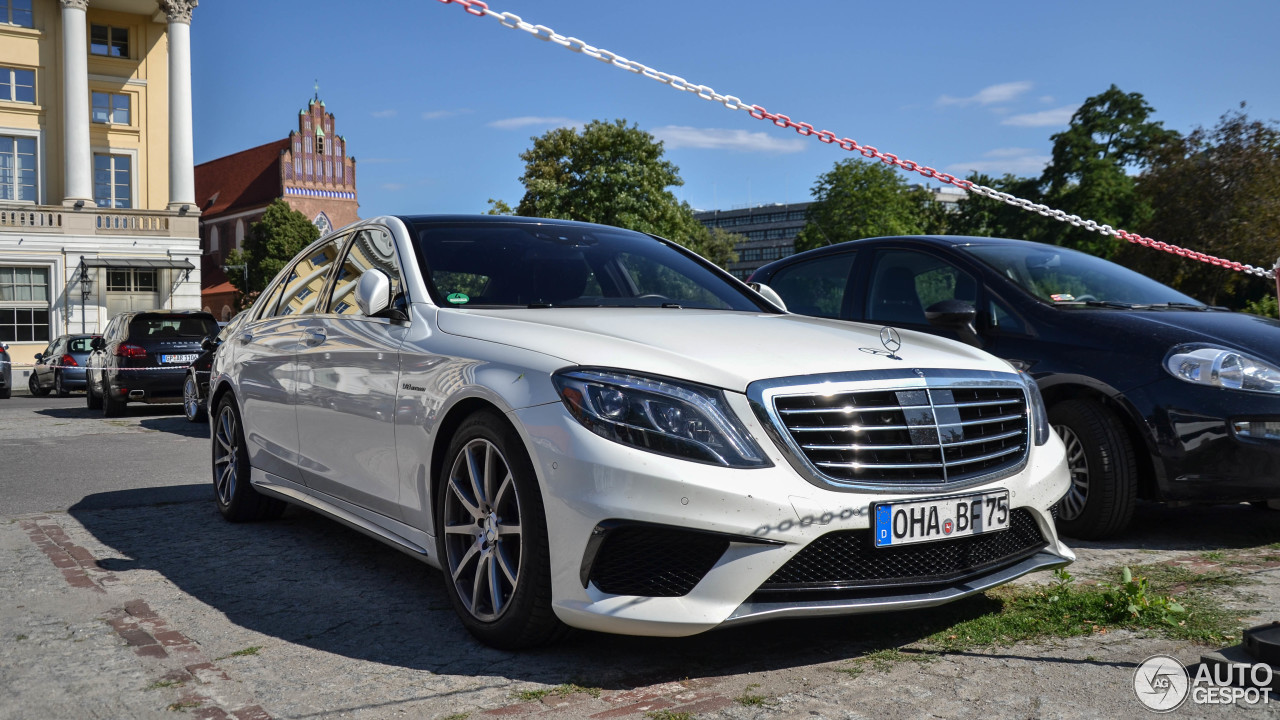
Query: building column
[78, 180]
[182, 166]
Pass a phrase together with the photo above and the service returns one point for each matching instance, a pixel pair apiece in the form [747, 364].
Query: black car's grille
[917, 436]
[847, 560]
[654, 561]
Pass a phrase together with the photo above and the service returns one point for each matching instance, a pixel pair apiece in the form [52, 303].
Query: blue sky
[437, 105]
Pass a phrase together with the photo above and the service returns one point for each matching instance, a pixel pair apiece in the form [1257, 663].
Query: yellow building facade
[97, 198]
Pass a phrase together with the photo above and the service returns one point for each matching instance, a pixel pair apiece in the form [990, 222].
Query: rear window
[191, 327]
[79, 345]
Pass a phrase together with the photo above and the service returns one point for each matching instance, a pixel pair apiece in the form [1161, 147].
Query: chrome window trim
[762, 394]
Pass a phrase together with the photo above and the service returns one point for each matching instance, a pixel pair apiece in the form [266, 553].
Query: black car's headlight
[1039, 413]
[1222, 367]
[682, 420]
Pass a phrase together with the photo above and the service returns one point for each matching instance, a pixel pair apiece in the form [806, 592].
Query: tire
[192, 406]
[34, 386]
[1104, 471]
[499, 581]
[58, 387]
[6, 392]
[91, 399]
[111, 407]
[237, 499]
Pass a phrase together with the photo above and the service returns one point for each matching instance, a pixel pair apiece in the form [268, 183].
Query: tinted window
[815, 287]
[1059, 276]
[904, 283]
[187, 327]
[79, 345]
[303, 285]
[518, 265]
[371, 248]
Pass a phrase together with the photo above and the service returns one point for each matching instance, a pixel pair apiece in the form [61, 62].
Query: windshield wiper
[1114, 304]
[1187, 306]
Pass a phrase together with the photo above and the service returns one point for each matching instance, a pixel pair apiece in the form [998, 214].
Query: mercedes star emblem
[891, 340]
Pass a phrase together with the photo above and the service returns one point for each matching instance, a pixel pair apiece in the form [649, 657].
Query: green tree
[985, 217]
[272, 242]
[1216, 191]
[1110, 136]
[613, 174]
[857, 199]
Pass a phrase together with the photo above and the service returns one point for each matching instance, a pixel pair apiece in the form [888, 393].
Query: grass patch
[751, 700]
[20, 638]
[883, 661]
[1213, 555]
[668, 715]
[183, 706]
[457, 716]
[160, 684]
[1137, 602]
[251, 650]
[562, 690]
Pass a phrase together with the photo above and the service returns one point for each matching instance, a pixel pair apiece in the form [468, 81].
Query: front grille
[847, 560]
[918, 436]
[654, 561]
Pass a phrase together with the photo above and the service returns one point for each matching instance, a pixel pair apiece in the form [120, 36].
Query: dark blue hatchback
[1155, 394]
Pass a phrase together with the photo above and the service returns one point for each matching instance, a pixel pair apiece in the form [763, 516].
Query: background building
[97, 193]
[770, 230]
[311, 169]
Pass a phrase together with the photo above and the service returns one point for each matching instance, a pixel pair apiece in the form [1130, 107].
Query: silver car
[590, 427]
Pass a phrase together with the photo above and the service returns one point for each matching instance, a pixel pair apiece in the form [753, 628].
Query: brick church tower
[311, 170]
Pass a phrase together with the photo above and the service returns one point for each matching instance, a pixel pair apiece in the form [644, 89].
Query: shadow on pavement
[1194, 527]
[311, 581]
[178, 425]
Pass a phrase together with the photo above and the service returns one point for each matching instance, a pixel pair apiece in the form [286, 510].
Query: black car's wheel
[6, 392]
[1103, 467]
[92, 400]
[111, 405]
[34, 386]
[58, 387]
[237, 500]
[492, 537]
[192, 406]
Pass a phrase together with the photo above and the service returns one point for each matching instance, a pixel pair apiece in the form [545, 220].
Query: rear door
[349, 367]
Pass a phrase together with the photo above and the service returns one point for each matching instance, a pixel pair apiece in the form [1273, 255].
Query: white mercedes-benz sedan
[591, 427]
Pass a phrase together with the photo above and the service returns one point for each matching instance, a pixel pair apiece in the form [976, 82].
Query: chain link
[542, 32]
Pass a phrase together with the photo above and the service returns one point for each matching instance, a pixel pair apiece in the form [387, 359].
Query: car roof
[500, 220]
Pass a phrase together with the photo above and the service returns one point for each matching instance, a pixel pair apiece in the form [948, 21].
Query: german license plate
[903, 522]
[174, 359]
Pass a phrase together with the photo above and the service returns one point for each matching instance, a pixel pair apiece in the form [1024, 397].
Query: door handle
[246, 337]
[315, 336]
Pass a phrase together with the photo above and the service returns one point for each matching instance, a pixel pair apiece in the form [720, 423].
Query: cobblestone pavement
[123, 607]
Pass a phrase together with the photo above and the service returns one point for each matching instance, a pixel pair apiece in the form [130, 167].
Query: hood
[720, 348]
[1252, 334]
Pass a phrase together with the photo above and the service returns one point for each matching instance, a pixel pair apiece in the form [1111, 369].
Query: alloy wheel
[190, 400]
[226, 449]
[482, 530]
[1072, 504]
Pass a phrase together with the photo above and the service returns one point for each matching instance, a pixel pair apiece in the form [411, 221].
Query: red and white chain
[542, 32]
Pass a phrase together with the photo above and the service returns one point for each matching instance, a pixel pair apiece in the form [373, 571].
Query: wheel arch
[448, 427]
[1088, 389]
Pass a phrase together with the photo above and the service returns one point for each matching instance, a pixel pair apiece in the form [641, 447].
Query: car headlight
[1220, 367]
[1039, 413]
[662, 416]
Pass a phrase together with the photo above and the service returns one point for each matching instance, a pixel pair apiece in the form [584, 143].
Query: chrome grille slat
[936, 434]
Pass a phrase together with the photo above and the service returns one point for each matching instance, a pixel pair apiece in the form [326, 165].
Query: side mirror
[373, 292]
[769, 294]
[39, 357]
[208, 344]
[97, 343]
[957, 316]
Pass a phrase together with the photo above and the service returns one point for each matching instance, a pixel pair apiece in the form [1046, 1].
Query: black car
[61, 366]
[195, 386]
[143, 357]
[1155, 394]
[6, 373]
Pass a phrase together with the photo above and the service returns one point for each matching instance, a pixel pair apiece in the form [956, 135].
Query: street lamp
[86, 289]
[244, 270]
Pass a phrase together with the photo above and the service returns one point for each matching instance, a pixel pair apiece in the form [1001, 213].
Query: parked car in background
[590, 426]
[6, 373]
[1155, 394]
[60, 367]
[143, 357]
[195, 387]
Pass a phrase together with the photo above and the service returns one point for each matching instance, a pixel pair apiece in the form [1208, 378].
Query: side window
[371, 248]
[304, 282]
[904, 283]
[815, 287]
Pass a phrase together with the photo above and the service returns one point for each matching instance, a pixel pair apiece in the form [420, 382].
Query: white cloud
[384, 113]
[438, 114]
[1004, 92]
[516, 123]
[1019, 161]
[1044, 118]
[1046, 99]
[393, 187]
[681, 136]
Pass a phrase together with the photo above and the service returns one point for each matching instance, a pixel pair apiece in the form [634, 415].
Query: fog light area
[1257, 429]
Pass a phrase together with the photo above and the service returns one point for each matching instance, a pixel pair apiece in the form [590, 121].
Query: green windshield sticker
[458, 298]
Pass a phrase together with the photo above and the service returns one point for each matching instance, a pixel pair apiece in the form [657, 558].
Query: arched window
[213, 239]
[239, 234]
[319, 144]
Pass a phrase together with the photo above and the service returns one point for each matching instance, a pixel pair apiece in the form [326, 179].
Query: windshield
[1063, 276]
[525, 265]
[172, 326]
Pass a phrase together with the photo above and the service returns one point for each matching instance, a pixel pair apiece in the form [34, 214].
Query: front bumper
[1199, 457]
[770, 513]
